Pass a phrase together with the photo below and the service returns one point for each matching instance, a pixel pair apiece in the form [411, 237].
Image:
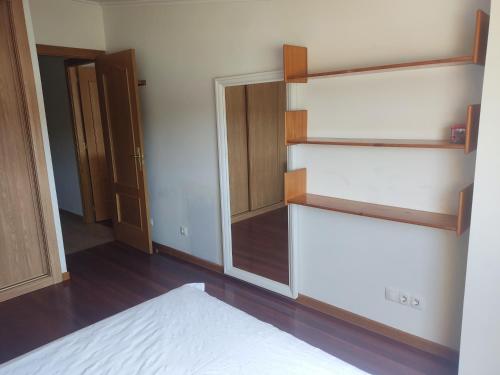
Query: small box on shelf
[458, 134]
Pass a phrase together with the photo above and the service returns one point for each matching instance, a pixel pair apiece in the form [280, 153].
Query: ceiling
[121, 1]
[138, 2]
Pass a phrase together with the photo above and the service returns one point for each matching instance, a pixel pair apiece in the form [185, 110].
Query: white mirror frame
[290, 290]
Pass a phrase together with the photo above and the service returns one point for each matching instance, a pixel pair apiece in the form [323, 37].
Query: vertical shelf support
[472, 128]
[464, 209]
[295, 184]
[481, 38]
[295, 125]
[295, 63]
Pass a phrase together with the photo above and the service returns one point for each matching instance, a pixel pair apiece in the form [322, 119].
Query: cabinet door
[266, 104]
[236, 119]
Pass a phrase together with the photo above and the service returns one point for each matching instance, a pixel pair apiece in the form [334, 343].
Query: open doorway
[78, 154]
[95, 134]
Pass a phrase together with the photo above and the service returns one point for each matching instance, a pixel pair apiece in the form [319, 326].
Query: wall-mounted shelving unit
[296, 133]
[296, 69]
[296, 193]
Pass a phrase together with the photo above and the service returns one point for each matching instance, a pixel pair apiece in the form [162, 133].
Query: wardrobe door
[27, 236]
[237, 148]
[266, 104]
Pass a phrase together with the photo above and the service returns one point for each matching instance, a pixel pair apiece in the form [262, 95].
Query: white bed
[185, 331]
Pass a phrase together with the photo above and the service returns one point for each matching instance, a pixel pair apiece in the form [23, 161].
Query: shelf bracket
[472, 128]
[295, 184]
[295, 126]
[481, 38]
[295, 63]
[464, 209]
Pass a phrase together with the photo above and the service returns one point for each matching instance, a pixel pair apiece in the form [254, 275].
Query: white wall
[68, 23]
[61, 137]
[349, 260]
[481, 324]
[344, 260]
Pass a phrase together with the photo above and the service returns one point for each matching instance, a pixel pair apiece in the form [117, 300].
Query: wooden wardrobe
[29, 256]
[256, 148]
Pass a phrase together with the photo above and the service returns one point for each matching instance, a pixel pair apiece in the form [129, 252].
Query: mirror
[257, 158]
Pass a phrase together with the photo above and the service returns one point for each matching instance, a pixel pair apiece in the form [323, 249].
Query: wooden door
[94, 140]
[236, 120]
[28, 250]
[266, 104]
[121, 119]
[80, 146]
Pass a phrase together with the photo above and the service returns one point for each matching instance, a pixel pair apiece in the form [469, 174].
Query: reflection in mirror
[257, 161]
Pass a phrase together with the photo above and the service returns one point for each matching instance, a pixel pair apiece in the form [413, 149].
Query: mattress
[182, 332]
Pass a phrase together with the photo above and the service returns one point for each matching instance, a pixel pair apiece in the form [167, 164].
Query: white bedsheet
[185, 331]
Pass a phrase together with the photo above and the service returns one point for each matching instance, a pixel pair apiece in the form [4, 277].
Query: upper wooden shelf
[296, 193]
[296, 133]
[296, 69]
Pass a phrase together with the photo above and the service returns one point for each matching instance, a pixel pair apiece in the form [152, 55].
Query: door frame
[23, 45]
[290, 290]
[68, 52]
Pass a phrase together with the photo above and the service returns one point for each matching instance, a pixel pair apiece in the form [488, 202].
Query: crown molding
[120, 3]
[88, 2]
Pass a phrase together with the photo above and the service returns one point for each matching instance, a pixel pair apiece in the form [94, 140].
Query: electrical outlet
[404, 298]
[392, 294]
[184, 231]
[416, 302]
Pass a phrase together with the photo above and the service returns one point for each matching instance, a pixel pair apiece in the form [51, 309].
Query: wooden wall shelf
[296, 69]
[296, 193]
[296, 133]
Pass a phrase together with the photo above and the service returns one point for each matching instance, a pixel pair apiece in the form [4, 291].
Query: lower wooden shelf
[295, 193]
[403, 215]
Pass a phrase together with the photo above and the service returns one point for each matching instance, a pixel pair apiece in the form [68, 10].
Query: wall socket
[184, 231]
[416, 302]
[403, 298]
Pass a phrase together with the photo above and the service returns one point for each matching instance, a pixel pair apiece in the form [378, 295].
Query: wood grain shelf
[296, 133]
[296, 68]
[296, 193]
[377, 143]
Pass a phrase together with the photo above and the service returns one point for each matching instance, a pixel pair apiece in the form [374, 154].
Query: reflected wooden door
[94, 140]
[237, 148]
[266, 105]
[28, 250]
[118, 95]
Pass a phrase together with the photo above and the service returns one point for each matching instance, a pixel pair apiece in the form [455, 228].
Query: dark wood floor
[260, 245]
[112, 277]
